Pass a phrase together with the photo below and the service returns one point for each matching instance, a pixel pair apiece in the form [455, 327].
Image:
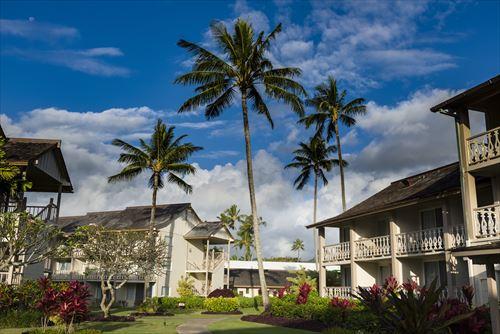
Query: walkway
[196, 326]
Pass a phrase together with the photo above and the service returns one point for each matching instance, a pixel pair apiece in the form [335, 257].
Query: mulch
[151, 314]
[114, 318]
[310, 325]
[224, 313]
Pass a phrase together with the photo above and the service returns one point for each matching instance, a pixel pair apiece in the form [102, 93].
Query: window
[63, 266]
[433, 270]
[344, 234]
[431, 218]
[382, 228]
[164, 291]
[247, 291]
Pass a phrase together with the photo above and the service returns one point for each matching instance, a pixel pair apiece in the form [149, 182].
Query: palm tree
[246, 234]
[164, 156]
[240, 69]
[331, 108]
[313, 158]
[230, 217]
[297, 246]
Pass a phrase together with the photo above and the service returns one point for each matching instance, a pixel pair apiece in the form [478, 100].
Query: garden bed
[223, 313]
[310, 325]
[151, 314]
[114, 318]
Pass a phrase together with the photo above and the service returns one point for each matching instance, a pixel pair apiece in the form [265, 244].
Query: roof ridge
[425, 172]
[35, 140]
[158, 205]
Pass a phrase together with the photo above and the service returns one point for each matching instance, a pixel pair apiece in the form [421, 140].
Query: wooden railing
[483, 147]
[337, 253]
[487, 221]
[338, 291]
[45, 213]
[372, 247]
[457, 233]
[423, 241]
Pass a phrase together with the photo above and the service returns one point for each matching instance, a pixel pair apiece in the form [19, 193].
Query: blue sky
[90, 71]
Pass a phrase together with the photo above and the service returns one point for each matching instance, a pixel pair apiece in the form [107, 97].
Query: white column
[396, 266]
[450, 266]
[354, 272]
[493, 297]
[322, 269]
[468, 182]
[207, 265]
[228, 262]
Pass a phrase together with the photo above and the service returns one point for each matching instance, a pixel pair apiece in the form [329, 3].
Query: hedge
[164, 304]
[249, 302]
[20, 318]
[221, 304]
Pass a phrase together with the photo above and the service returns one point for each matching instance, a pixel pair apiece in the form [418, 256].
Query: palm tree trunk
[341, 166]
[253, 204]
[315, 235]
[151, 227]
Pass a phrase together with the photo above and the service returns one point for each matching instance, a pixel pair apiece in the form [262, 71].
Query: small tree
[26, 240]
[185, 286]
[113, 254]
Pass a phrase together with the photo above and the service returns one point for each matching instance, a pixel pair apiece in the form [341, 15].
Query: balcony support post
[468, 182]
[450, 261]
[493, 297]
[353, 236]
[207, 262]
[322, 269]
[228, 262]
[396, 266]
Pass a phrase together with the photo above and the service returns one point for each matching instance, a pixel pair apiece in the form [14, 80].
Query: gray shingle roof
[204, 230]
[247, 278]
[23, 150]
[440, 181]
[135, 217]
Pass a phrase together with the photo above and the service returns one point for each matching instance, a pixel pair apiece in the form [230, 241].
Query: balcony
[64, 275]
[368, 248]
[338, 291]
[45, 213]
[213, 263]
[418, 242]
[337, 253]
[487, 221]
[483, 150]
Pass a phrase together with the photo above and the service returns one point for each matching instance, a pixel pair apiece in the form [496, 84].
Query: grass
[167, 325]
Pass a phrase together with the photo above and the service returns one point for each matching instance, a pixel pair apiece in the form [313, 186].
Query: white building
[442, 223]
[194, 249]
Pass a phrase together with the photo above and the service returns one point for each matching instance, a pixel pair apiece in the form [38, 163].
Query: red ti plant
[411, 286]
[284, 290]
[303, 295]
[48, 303]
[73, 304]
[343, 304]
[391, 284]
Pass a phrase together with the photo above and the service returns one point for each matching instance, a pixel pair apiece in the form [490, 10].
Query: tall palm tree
[164, 156]
[297, 246]
[240, 69]
[231, 216]
[332, 108]
[313, 158]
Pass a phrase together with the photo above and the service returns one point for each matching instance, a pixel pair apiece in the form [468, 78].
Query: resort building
[244, 276]
[196, 249]
[41, 162]
[441, 224]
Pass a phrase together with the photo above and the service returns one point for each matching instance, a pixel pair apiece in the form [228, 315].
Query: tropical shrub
[248, 302]
[304, 291]
[221, 305]
[164, 304]
[226, 293]
[61, 331]
[20, 318]
[185, 286]
[301, 278]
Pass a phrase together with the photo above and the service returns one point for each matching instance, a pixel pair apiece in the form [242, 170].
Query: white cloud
[32, 29]
[87, 61]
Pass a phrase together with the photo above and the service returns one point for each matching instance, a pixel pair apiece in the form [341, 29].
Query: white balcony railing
[337, 253]
[423, 241]
[66, 275]
[372, 247]
[483, 147]
[457, 233]
[487, 221]
[338, 291]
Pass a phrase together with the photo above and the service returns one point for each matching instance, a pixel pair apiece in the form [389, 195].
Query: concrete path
[196, 326]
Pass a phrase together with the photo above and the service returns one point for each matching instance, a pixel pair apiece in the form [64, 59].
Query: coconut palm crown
[240, 69]
[331, 108]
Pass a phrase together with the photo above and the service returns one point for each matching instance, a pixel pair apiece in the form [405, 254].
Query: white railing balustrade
[483, 147]
[338, 291]
[337, 253]
[486, 221]
[457, 234]
[372, 247]
[423, 241]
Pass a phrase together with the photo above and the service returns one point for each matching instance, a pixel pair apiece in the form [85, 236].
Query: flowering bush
[304, 291]
[284, 290]
[343, 304]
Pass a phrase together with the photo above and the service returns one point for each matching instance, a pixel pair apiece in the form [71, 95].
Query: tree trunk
[253, 204]
[315, 235]
[104, 307]
[341, 166]
[151, 227]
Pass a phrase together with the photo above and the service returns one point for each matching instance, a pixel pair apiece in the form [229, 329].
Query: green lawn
[167, 325]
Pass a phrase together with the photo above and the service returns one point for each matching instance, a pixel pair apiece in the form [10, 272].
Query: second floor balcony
[483, 150]
[487, 221]
[376, 247]
[337, 253]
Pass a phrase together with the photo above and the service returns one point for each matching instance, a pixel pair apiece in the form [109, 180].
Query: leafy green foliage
[62, 331]
[221, 304]
[250, 302]
[185, 286]
[301, 278]
[164, 304]
[231, 217]
[20, 318]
